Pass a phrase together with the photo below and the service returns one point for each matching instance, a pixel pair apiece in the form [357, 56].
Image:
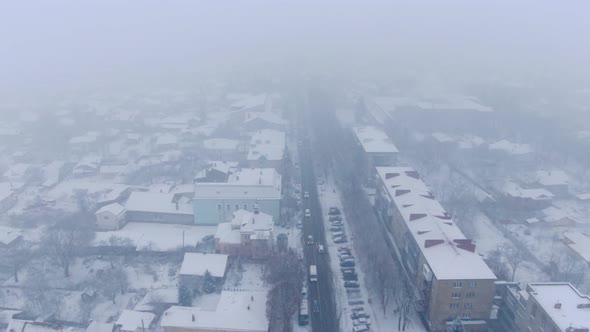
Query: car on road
[343, 248]
[315, 306]
[307, 213]
[337, 224]
[361, 328]
[334, 211]
[361, 321]
[344, 256]
[310, 239]
[350, 276]
[340, 240]
[335, 229]
[306, 194]
[321, 248]
[351, 284]
[347, 263]
[335, 218]
[299, 224]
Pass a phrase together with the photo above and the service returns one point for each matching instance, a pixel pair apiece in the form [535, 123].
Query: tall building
[451, 279]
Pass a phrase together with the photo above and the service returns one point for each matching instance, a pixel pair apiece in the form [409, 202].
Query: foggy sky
[46, 45]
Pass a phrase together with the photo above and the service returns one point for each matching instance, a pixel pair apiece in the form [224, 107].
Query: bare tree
[16, 258]
[64, 241]
[111, 282]
[117, 245]
[41, 299]
[404, 298]
[496, 263]
[515, 257]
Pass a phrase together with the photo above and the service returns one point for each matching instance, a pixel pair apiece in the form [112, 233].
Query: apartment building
[451, 279]
[544, 307]
[377, 149]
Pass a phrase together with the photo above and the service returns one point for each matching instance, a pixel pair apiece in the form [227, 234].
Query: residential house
[249, 234]
[544, 307]
[521, 198]
[84, 143]
[25, 325]
[158, 207]
[450, 277]
[556, 217]
[216, 171]
[236, 311]
[245, 189]
[196, 265]
[223, 149]
[134, 321]
[557, 182]
[88, 166]
[255, 121]
[9, 237]
[8, 195]
[110, 217]
[579, 244]
[267, 149]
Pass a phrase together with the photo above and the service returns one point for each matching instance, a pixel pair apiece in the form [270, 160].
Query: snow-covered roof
[257, 226]
[514, 190]
[583, 197]
[269, 117]
[552, 178]
[248, 102]
[440, 240]
[9, 235]
[115, 208]
[374, 140]
[6, 190]
[452, 103]
[226, 233]
[166, 139]
[195, 264]
[222, 166]
[84, 139]
[510, 147]
[247, 310]
[113, 169]
[221, 144]
[554, 214]
[442, 137]
[156, 203]
[563, 303]
[531, 221]
[267, 143]
[131, 320]
[261, 183]
[52, 173]
[17, 171]
[578, 242]
[96, 326]
[20, 325]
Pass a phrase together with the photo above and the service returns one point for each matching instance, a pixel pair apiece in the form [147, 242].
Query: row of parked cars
[361, 321]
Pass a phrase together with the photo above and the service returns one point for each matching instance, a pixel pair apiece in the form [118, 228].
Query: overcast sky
[49, 44]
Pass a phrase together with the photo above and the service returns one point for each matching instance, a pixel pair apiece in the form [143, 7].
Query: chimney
[557, 305]
[193, 317]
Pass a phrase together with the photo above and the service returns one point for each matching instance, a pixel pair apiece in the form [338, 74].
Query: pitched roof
[115, 208]
[195, 264]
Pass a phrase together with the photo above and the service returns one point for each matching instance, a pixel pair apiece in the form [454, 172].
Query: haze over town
[260, 166]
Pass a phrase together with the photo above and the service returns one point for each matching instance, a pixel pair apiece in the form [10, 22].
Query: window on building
[237, 207]
[470, 295]
[456, 295]
[454, 305]
[534, 311]
[466, 315]
[468, 306]
[228, 207]
[471, 284]
[219, 208]
[245, 207]
[457, 284]
[253, 207]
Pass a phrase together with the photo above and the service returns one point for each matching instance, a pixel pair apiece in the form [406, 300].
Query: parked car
[350, 276]
[344, 256]
[344, 248]
[320, 248]
[347, 263]
[351, 284]
[335, 218]
[336, 229]
[307, 213]
[334, 211]
[361, 321]
[337, 224]
[299, 224]
[338, 234]
[361, 328]
[309, 239]
[305, 194]
[340, 240]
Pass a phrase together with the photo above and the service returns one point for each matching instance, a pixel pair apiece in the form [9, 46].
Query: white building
[197, 264]
[249, 234]
[237, 311]
[134, 321]
[267, 149]
[110, 217]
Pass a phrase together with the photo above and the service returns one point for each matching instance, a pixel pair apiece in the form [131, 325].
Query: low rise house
[196, 265]
[267, 149]
[526, 198]
[236, 311]
[224, 149]
[96, 326]
[8, 196]
[263, 120]
[88, 166]
[579, 244]
[158, 207]
[553, 307]
[556, 217]
[25, 325]
[134, 321]
[249, 234]
[245, 189]
[216, 171]
[110, 217]
[9, 236]
[557, 182]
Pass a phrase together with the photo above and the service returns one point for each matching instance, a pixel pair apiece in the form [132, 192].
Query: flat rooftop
[440, 240]
[268, 144]
[563, 303]
[374, 140]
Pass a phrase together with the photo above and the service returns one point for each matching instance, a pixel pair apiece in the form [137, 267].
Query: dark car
[335, 229]
[334, 211]
[350, 277]
[315, 306]
[340, 240]
[347, 263]
[335, 218]
[351, 284]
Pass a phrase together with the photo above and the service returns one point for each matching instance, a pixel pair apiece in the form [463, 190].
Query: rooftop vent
[557, 305]
[390, 175]
[401, 192]
[583, 306]
[432, 243]
[415, 216]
